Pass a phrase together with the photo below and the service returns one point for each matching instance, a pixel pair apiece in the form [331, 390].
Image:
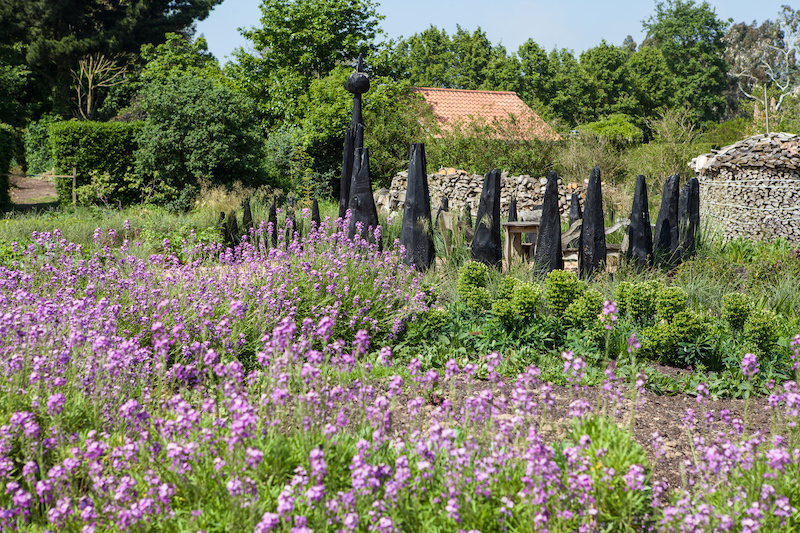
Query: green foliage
[37, 145]
[503, 311]
[178, 56]
[672, 146]
[621, 292]
[690, 324]
[761, 328]
[617, 128]
[670, 301]
[526, 299]
[465, 60]
[8, 140]
[472, 279]
[196, 130]
[659, 341]
[561, 288]
[297, 43]
[586, 150]
[640, 299]
[585, 310]
[608, 66]
[477, 147]
[736, 308]
[99, 147]
[610, 449]
[653, 83]
[52, 36]
[506, 287]
[691, 38]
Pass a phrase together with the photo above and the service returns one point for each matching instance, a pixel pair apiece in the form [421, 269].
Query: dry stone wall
[751, 189]
[462, 188]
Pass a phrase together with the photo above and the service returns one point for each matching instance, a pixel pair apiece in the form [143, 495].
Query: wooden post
[74, 186]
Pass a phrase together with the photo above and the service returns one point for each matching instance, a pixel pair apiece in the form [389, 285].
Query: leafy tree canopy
[691, 38]
[50, 36]
[300, 41]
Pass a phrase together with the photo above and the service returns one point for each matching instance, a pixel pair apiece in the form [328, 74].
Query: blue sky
[577, 25]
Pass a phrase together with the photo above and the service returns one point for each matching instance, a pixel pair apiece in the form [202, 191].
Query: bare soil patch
[32, 193]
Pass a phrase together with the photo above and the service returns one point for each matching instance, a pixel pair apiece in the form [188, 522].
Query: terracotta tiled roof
[452, 106]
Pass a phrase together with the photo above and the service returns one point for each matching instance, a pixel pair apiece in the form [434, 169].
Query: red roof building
[456, 107]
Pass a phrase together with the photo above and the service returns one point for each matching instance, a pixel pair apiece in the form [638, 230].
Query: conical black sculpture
[232, 237]
[315, 214]
[665, 245]
[223, 228]
[640, 234]
[417, 232]
[468, 215]
[290, 216]
[575, 212]
[362, 203]
[247, 217]
[273, 219]
[592, 250]
[688, 218]
[486, 246]
[512, 210]
[348, 152]
[548, 244]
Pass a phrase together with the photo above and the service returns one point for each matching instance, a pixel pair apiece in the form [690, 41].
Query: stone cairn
[751, 188]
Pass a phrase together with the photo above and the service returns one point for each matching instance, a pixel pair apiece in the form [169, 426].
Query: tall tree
[691, 38]
[609, 67]
[653, 83]
[300, 41]
[53, 35]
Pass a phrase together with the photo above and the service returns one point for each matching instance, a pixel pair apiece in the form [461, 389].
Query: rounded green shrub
[621, 292]
[561, 288]
[585, 309]
[505, 291]
[659, 341]
[690, 325]
[761, 328]
[526, 299]
[476, 298]
[670, 301]
[736, 308]
[640, 300]
[472, 274]
[504, 311]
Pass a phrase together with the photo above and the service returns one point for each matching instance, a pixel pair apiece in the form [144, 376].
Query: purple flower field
[252, 389]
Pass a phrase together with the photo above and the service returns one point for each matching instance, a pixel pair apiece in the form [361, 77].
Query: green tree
[615, 90]
[537, 72]
[426, 59]
[576, 94]
[653, 83]
[196, 130]
[691, 38]
[298, 42]
[53, 35]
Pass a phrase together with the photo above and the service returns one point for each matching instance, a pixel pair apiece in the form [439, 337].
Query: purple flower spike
[749, 365]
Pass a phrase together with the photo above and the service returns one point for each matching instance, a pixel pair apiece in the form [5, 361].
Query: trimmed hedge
[7, 149]
[93, 148]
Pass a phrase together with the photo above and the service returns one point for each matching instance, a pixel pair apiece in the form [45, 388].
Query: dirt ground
[32, 193]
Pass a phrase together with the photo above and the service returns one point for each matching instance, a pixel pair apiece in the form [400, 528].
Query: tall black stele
[417, 232]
